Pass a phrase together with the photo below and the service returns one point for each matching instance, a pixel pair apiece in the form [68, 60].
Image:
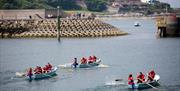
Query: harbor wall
[168, 25]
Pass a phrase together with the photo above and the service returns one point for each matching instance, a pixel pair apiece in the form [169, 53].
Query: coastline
[123, 17]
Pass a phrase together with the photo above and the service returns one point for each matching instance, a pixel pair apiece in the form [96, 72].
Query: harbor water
[139, 51]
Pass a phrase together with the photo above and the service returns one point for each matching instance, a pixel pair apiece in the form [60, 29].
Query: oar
[148, 84]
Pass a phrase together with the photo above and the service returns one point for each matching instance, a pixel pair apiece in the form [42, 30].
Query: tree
[96, 5]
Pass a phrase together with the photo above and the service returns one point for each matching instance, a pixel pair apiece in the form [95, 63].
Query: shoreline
[54, 37]
[123, 17]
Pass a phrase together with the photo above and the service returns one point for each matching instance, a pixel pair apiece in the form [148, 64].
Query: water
[138, 51]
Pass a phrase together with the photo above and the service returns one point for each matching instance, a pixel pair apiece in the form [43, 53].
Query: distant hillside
[88, 5]
[92, 5]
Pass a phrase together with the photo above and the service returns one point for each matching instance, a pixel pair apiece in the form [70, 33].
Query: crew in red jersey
[90, 59]
[49, 66]
[83, 61]
[94, 58]
[151, 75]
[141, 78]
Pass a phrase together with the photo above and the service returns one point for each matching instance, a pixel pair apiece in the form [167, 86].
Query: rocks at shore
[48, 28]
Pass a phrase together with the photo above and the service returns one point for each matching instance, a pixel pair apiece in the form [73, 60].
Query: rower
[83, 61]
[151, 75]
[75, 63]
[49, 66]
[45, 69]
[131, 80]
[36, 70]
[141, 78]
[90, 59]
[39, 70]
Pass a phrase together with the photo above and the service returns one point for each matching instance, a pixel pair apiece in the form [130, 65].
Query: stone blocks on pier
[68, 28]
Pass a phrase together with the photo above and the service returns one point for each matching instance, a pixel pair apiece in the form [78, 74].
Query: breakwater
[48, 28]
[168, 25]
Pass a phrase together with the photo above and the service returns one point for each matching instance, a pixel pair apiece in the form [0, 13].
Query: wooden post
[58, 24]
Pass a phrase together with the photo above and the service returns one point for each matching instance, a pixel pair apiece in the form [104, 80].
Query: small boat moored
[137, 24]
[145, 85]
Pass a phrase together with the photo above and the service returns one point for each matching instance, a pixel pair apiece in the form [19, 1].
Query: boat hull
[50, 74]
[144, 85]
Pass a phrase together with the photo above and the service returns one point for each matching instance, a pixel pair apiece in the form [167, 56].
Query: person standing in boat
[151, 75]
[141, 78]
[131, 80]
[30, 73]
[75, 63]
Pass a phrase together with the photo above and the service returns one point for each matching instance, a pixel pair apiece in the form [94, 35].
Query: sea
[139, 51]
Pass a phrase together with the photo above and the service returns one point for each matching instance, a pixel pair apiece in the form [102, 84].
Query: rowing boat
[151, 84]
[50, 74]
[88, 65]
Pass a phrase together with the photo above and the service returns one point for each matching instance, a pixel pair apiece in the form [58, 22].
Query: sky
[173, 3]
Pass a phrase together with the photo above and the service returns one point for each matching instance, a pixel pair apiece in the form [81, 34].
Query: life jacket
[39, 70]
[90, 58]
[141, 77]
[151, 75]
[130, 80]
[36, 70]
[44, 69]
[94, 58]
[83, 60]
[49, 67]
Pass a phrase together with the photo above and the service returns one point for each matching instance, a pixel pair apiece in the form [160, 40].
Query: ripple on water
[108, 88]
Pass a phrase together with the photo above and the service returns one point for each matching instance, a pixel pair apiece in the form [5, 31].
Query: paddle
[148, 84]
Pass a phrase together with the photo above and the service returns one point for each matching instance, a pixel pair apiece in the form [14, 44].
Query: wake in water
[113, 81]
[9, 77]
[69, 66]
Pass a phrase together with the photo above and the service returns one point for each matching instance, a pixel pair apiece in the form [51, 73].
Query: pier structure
[168, 25]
